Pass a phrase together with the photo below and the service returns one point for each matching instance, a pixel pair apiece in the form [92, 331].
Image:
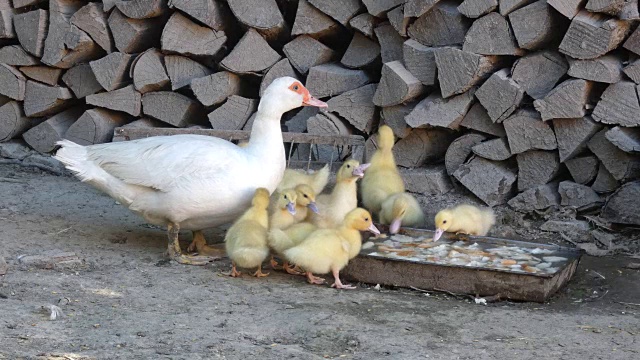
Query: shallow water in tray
[511, 258]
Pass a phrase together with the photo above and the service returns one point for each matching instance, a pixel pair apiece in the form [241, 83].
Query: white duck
[192, 182]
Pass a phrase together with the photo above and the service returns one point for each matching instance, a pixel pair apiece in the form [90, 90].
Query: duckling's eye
[296, 87]
[366, 219]
[305, 196]
[285, 197]
[348, 166]
[444, 222]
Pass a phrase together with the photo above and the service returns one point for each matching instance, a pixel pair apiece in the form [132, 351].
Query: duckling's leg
[175, 252]
[314, 279]
[337, 283]
[259, 273]
[199, 244]
[274, 263]
[295, 270]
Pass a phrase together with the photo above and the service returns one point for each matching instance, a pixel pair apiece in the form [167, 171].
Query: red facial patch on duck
[298, 88]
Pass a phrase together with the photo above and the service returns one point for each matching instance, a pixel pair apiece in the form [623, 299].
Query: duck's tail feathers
[489, 219]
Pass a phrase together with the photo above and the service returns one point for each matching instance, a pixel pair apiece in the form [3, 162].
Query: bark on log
[13, 121]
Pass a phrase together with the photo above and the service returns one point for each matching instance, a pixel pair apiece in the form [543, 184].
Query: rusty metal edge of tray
[572, 254]
[139, 133]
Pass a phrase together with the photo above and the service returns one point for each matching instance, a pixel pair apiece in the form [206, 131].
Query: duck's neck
[345, 187]
[383, 157]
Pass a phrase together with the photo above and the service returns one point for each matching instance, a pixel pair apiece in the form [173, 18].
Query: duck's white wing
[165, 162]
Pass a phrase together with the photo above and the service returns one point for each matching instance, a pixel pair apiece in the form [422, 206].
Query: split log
[538, 198]
[495, 149]
[356, 106]
[107, 5]
[583, 169]
[233, 114]
[92, 19]
[6, 20]
[13, 121]
[605, 69]
[379, 8]
[209, 12]
[24, 3]
[633, 42]
[537, 25]
[459, 71]
[361, 52]
[16, 56]
[43, 137]
[305, 52]
[539, 72]
[618, 105]
[508, 6]
[44, 74]
[112, 71]
[262, 15]
[44, 100]
[629, 11]
[252, 54]
[298, 123]
[416, 8]
[66, 45]
[420, 60]
[437, 111]
[340, 10]
[81, 80]
[398, 20]
[611, 7]
[478, 119]
[183, 36]
[625, 139]
[364, 23]
[568, 8]
[422, 146]
[144, 123]
[172, 108]
[526, 131]
[13, 82]
[622, 206]
[474, 9]
[567, 101]
[573, 135]
[390, 43]
[592, 35]
[621, 165]
[605, 182]
[397, 85]
[215, 88]
[95, 126]
[148, 72]
[183, 70]
[632, 71]
[332, 79]
[491, 181]
[393, 116]
[429, 180]
[536, 167]
[31, 30]
[313, 22]
[126, 100]
[280, 69]
[443, 25]
[491, 35]
[500, 95]
[142, 9]
[327, 124]
[577, 195]
[460, 150]
[134, 35]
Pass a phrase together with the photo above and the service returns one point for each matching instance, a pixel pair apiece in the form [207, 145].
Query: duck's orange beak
[311, 101]
[373, 229]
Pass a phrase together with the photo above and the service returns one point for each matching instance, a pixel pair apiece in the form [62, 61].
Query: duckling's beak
[291, 207]
[311, 101]
[437, 235]
[312, 206]
[395, 226]
[360, 169]
[374, 229]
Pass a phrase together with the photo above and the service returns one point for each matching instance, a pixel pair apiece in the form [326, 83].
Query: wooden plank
[92, 19]
[605, 69]
[262, 15]
[81, 80]
[567, 101]
[216, 88]
[625, 139]
[361, 52]
[340, 10]
[437, 111]
[478, 119]
[13, 121]
[357, 107]
[313, 22]
[474, 9]
[460, 150]
[95, 126]
[422, 146]
[31, 30]
[44, 74]
[390, 43]
[420, 60]
[142, 9]
[201, 40]
[172, 108]
[43, 100]
[491, 181]
[17, 56]
[134, 35]
[397, 86]
[500, 95]
[365, 23]
[459, 71]
[43, 137]
[332, 79]
[13, 82]
[233, 114]
[251, 55]
[491, 35]
[305, 52]
[592, 35]
[209, 12]
[536, 167]
[618, 105]
[112, 71]
[148, 72]
[182, 70]
[526, 131]
[573, 135]
[280, 69]
[538, 73]
[443, 25]
[537, 26]
[126, 99]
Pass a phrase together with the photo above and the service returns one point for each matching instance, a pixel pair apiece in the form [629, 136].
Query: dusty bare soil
[126, 302]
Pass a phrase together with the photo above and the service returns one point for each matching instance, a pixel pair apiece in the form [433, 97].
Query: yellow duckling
[382, 178]
[306, 200]
[401, 209]
[280, 240]
[329, 250]
[246, 239]
[293, 177]
[464, 219]
[283, 209]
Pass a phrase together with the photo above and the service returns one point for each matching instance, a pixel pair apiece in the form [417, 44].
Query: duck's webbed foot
[175, 253]
[338, 284]
[293, 270]
[311, 279]
[234, 272]
[199, 245]
[274, 263]
[259, 273]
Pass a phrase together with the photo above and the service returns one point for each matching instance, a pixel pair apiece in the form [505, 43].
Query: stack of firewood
[531, 103]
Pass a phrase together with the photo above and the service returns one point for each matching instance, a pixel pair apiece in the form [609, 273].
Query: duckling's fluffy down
[246, 244]
[321, 253]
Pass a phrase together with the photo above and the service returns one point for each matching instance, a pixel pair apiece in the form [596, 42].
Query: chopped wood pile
[512, 97]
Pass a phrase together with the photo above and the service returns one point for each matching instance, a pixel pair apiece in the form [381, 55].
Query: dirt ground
[126, 302]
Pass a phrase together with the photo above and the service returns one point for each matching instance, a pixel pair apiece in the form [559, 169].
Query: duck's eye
[444, 222]
[296, 87]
